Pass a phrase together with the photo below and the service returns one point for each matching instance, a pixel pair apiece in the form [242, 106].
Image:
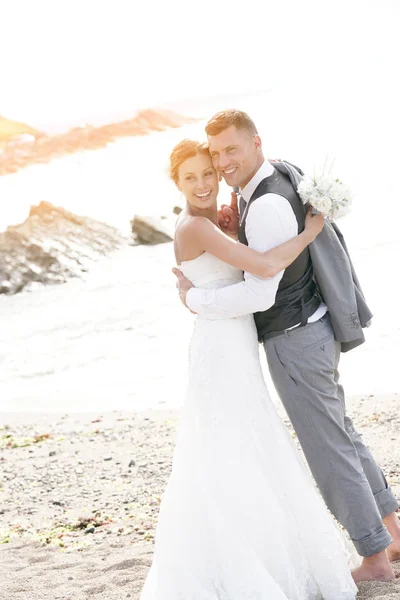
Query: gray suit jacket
[335, 276]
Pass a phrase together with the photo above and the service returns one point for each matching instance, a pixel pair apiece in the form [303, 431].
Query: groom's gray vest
[297, 297]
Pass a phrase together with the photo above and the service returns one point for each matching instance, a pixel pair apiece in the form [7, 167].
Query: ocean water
[118, 339]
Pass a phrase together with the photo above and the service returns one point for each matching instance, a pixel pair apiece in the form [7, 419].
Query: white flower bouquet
[327, 195]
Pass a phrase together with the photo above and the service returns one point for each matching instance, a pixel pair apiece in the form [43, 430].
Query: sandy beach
[80, 495]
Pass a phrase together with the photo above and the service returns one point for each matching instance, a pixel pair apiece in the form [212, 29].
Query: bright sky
[68, 60]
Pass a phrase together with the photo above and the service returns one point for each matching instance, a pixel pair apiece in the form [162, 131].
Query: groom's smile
[228, 172]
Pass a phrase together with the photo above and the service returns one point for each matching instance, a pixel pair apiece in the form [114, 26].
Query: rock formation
[51, 246]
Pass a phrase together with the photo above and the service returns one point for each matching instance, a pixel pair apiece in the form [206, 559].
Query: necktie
[242, 206]
[242, 201]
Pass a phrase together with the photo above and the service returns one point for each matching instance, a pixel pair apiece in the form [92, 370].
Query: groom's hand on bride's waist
[183, 285]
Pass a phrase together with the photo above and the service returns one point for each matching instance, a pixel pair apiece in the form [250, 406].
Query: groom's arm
[270, 222]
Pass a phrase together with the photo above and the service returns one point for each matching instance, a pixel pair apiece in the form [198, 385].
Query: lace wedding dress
[240, 518]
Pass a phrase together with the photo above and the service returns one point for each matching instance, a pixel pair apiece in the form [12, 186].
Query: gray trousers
[304, 368]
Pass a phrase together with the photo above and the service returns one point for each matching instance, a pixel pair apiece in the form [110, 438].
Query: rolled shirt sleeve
[270, 223]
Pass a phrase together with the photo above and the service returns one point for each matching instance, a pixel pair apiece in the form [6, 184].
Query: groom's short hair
[226, 118]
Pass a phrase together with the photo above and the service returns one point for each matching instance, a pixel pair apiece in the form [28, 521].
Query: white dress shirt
[270, 223]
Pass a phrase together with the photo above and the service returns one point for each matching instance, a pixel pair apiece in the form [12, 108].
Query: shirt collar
[266, 170]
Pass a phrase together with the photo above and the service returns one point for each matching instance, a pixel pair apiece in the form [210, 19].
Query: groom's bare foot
[374, 568]
[393, 551]
[392, 523]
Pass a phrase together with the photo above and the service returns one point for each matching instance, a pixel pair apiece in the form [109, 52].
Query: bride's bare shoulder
[187, 240]
[189, 226]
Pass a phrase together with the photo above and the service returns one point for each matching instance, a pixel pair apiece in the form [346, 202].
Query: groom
[294, 324]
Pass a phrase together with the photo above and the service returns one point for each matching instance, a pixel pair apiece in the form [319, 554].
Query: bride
[240, 518]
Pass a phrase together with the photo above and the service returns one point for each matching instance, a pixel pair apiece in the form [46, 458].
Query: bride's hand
[314, 224]
[228, 217]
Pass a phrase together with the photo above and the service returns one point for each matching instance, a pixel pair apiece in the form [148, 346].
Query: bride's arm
[262, 264]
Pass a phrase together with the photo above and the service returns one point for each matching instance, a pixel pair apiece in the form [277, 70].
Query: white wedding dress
[240, 518]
